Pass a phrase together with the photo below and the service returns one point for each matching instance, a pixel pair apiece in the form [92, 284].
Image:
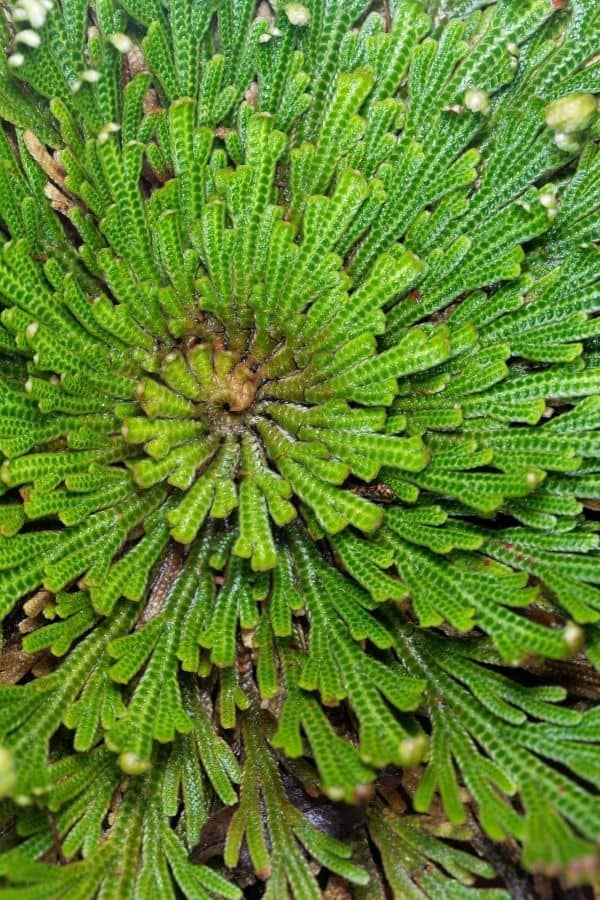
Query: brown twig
[7, 827]
[501, 862]
[162, 584]
[60, 859]
[387, 16]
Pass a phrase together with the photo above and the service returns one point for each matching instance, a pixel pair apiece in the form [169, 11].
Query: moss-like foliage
[299, 409]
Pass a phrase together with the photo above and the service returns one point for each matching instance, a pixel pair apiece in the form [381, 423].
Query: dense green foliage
[300, 376]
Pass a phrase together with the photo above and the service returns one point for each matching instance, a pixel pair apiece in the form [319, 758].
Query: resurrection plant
[300, 447]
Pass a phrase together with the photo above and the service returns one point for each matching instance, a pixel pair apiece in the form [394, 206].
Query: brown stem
[387, 16]
[59, 858]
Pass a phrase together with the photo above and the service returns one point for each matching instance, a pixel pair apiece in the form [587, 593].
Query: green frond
[299, 443]
[519, 734]
[275, 844]
[419, 864]
[138, 854]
